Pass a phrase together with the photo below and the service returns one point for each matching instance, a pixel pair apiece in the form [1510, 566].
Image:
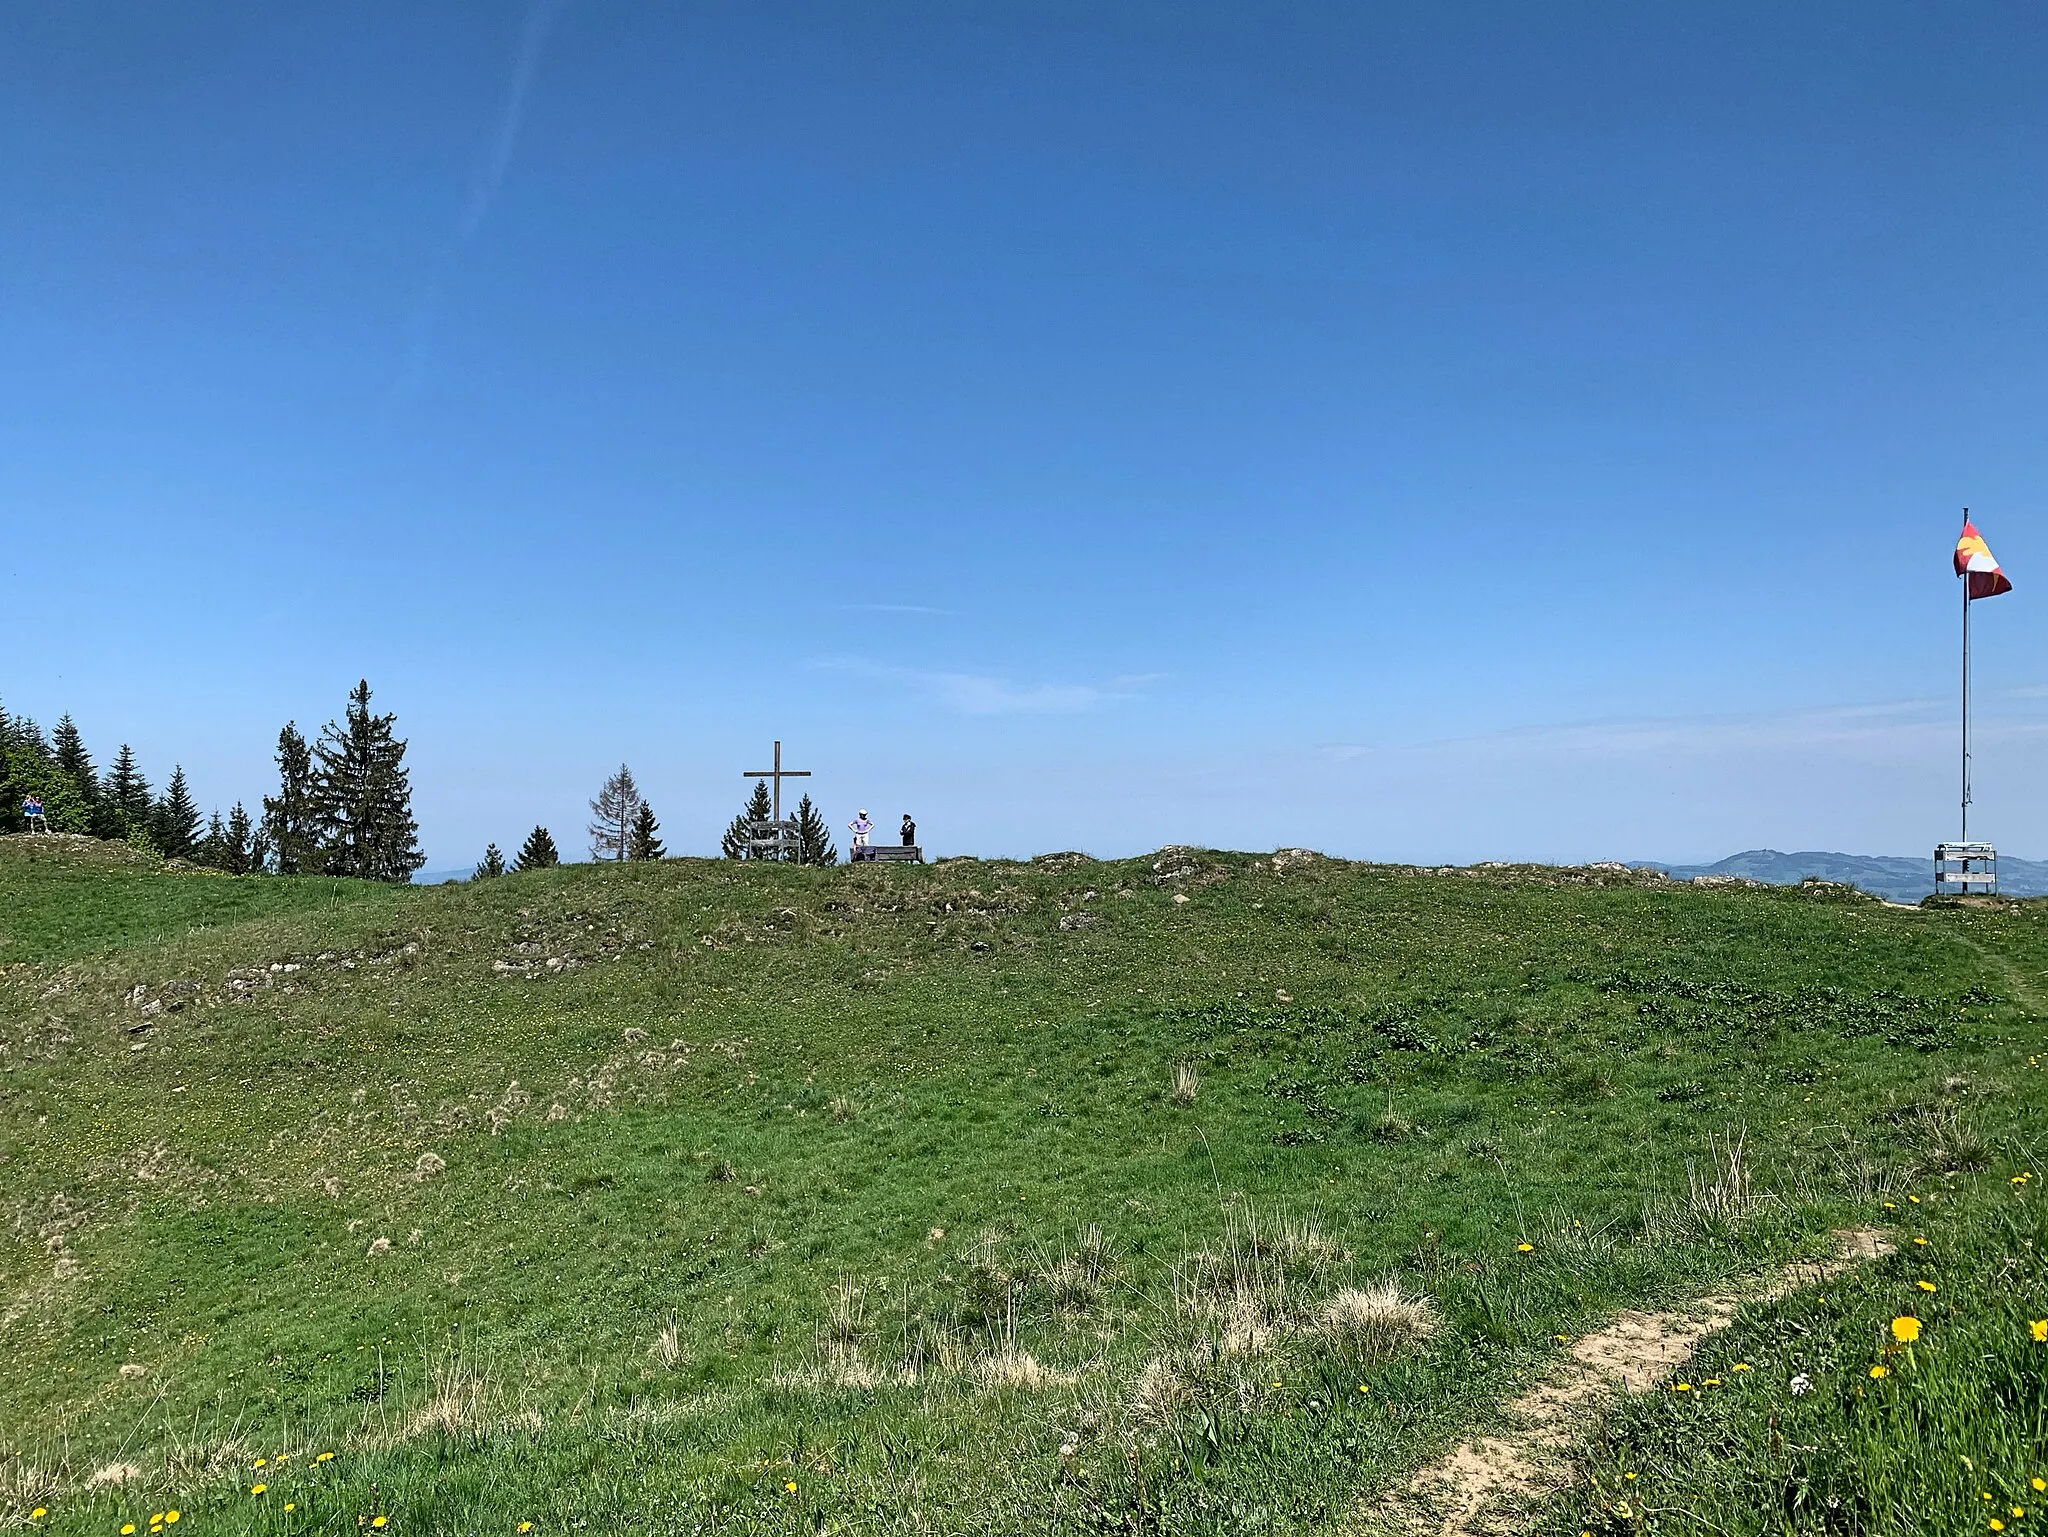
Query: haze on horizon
[1472, 434]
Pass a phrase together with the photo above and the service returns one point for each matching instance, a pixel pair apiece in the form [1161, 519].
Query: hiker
[32, 813]
[860, 827]
[909, 832]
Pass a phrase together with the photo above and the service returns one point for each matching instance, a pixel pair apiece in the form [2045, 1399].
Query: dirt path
[2006, 967]
[1487, 1485]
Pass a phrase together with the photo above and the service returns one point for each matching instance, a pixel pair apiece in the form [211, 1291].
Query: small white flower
[1801, 1383]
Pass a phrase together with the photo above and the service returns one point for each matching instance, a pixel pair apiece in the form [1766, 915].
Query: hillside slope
[974, 1197]
[1893, 877]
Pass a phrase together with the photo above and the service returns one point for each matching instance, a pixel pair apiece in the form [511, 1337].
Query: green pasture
[990, 1197]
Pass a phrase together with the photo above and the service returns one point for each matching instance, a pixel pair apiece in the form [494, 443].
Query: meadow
[1199, 1193]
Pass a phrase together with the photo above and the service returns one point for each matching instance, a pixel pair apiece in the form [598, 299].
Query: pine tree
[67, 747]
[538, 852]
[491, 865]
[813, 837]
[289, 826]
[244, 854]
[362, 797]
[212, 852]
[174, 819]
[641, 843]
[759, 809]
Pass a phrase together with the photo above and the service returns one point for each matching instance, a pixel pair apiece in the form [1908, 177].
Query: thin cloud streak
[983, 694]
[483, 192]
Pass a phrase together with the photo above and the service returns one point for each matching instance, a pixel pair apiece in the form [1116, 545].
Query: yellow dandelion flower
[1525, 1248]
[262, 1462]
[525, 1526]
[1914, 1199]
[2038, 1327]
[126, 1528]
[1906, 1330]
[1628, 1475]
[157, 1519]
[2037, 1484]
[1997, 1525]
[289, 1505]
[377, 1520]
[38, 1513]
[1880, 1370]
[1926, 1286]
[2018, 1511]
[1741, 1366]
[790, 1487]
[1921, 1242]
[258, 1488]
[170, 1518]
[1891, 1205]
[1364, 1388]
[1711, 1382]
[325, 1457]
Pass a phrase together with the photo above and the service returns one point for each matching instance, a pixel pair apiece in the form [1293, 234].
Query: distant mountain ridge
[1893, 877]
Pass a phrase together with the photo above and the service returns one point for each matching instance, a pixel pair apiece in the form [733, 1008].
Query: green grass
[782, 1179]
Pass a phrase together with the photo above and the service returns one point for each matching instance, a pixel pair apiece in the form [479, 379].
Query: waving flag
[1974, 560]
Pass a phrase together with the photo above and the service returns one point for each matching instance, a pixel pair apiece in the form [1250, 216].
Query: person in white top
[860, 827]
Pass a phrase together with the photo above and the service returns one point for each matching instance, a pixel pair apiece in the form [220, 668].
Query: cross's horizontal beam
[776, 774]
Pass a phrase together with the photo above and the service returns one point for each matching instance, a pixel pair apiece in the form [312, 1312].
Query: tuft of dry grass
[846, 1314]
[842, 1109]
[113, 1476]
[1378, 1321]
[458, 1399]
[667, 1348]
[427, 1165]
[1016, 1370]
[1183, 1084]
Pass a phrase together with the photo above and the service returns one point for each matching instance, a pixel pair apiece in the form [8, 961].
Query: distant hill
[1896, 878]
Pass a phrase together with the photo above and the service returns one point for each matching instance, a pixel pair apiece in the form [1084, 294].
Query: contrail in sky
[483, 191]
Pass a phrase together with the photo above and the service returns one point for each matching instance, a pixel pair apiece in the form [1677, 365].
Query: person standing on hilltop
[909, 832]
[860, 827]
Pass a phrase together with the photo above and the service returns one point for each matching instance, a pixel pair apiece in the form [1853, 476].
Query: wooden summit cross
[782, 837]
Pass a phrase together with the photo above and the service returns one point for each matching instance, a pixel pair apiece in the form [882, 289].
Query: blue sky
[1451, 432]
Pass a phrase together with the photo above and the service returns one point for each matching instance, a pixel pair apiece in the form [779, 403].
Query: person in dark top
[909, 832]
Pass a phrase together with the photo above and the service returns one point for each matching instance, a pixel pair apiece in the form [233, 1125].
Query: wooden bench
[890, 853]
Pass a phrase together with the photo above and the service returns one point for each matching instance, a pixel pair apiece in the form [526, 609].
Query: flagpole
[1966, 697]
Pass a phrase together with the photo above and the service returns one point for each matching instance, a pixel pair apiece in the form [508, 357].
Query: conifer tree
[813, 837]
[174, 819]
[125, 789]
[611, 825]
[67, 748]
[362, 797]
[538, 852]
[289, 823]
[642, 843]
[212, 852]
[759, 809]
[10, 791]
[244, 856]
[491, 865]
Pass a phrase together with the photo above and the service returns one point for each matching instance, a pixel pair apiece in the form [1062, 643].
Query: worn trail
[1486, 1486]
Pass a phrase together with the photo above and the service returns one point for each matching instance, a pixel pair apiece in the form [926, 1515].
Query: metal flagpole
[1966, 697]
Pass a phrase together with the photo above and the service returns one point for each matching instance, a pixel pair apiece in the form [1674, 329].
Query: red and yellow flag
[1974, 561]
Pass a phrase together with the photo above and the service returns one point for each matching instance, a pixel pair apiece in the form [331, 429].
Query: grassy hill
[989, 1197]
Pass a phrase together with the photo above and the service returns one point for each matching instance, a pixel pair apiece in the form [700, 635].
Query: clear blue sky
[1440, 432]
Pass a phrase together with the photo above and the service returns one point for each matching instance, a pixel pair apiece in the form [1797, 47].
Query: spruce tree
[642, 843]
[67, 747]
[491, 865]
[362, 797]
[174, 819]
[243, 855]
[611, 825]
[212, 852]
[125, 789]
[10, 790]
[759, 809]
[538, 852]
[289, 825]
[813, 837]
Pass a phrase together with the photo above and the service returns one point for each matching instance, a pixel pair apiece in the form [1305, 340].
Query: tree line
[343, 807]
[343, 804]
